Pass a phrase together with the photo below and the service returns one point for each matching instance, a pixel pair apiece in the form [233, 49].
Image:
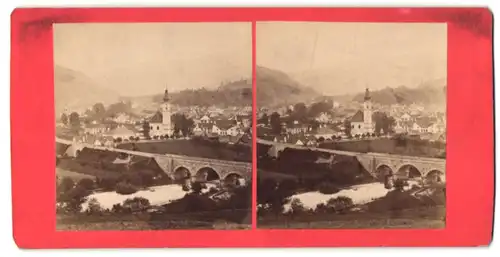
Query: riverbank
[152, 221]
[414, 218]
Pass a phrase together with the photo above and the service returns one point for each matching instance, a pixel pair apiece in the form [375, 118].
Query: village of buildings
[228, 125]
[352, 121]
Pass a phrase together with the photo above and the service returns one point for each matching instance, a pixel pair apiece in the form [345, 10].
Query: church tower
[367, 113]
[166, 115]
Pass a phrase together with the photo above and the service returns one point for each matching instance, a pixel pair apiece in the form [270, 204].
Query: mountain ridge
[75, 90]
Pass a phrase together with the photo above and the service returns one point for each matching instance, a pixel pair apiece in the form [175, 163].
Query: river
[158, 195]
[360, 194]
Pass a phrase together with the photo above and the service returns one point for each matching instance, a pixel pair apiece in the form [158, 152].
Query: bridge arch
[207, 173]
[408, 171]
[181, 173]
[382, 171]
[233, 179]
[435, 176]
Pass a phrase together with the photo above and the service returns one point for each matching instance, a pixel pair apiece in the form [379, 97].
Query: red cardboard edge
[470, 132]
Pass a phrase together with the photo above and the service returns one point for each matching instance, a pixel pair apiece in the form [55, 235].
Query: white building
[161, 123]
[362, 121]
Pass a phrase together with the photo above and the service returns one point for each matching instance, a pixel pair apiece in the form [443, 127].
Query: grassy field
[85, 222]
[388, 145]
[75, 176]
[70, 167]
[195, 148]
[429, 217]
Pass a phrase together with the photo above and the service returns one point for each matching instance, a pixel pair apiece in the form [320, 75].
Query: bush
[288, 187]
[86, 183]
[117, 208]
[296, 206]
[213, 190]
[133, 178]
[328, 188]
[136, 204]
[415, 187]
[65, 185]
[106, 183]
[197, 187]
[340, 204]
[321, 208]
[124, 188]
[400, 184]
[72, 200]
[94, 207]
[146, 177]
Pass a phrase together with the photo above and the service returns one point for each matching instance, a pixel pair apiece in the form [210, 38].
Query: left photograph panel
[153, 126]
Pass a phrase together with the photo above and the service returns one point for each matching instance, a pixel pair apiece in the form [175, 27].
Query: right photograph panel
[351, 125]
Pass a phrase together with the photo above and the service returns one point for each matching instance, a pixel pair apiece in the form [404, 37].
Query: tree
[124, 188]
[120, 107]
[391, 123]
[73, 199]
[275, 121]
[314, 125]
[145, 129]
[64, 119]
[297, 207]
[74, 120]
[197, 187]
[340, 204]
[94, 207]
[320, 107]
[300, 112]
[86, 183]
[264, 119]
[182, 124]
[136, 204]
[383, 123]
[99, 110]
[347, 127]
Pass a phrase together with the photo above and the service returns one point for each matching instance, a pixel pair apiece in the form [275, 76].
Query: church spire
[367, 94]
[166, 97]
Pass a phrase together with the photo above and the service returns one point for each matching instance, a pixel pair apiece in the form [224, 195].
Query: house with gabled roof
[123, 132]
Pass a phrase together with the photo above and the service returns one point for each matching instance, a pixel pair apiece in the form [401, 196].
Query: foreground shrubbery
[328, 188]
[70, 196]
[125, 188]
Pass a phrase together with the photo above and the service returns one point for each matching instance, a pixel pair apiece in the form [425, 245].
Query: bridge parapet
[376, 163]
[170, 162]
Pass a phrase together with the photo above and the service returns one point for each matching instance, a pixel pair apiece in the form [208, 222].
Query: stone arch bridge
[180, 166]
[382, 165]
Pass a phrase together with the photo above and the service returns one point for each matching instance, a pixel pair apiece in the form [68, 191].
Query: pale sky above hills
[136, 59]
[341, 58]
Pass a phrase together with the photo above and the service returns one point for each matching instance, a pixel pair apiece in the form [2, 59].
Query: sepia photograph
[153, 125]
[351, 125]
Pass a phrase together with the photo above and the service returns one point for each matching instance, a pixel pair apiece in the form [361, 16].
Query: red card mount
[470, 134]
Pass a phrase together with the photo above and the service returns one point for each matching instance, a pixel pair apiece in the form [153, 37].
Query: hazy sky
[338, 58]
[141, 58]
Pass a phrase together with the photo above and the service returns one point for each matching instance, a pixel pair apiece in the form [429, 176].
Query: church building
[161, 123]
[362, 121]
